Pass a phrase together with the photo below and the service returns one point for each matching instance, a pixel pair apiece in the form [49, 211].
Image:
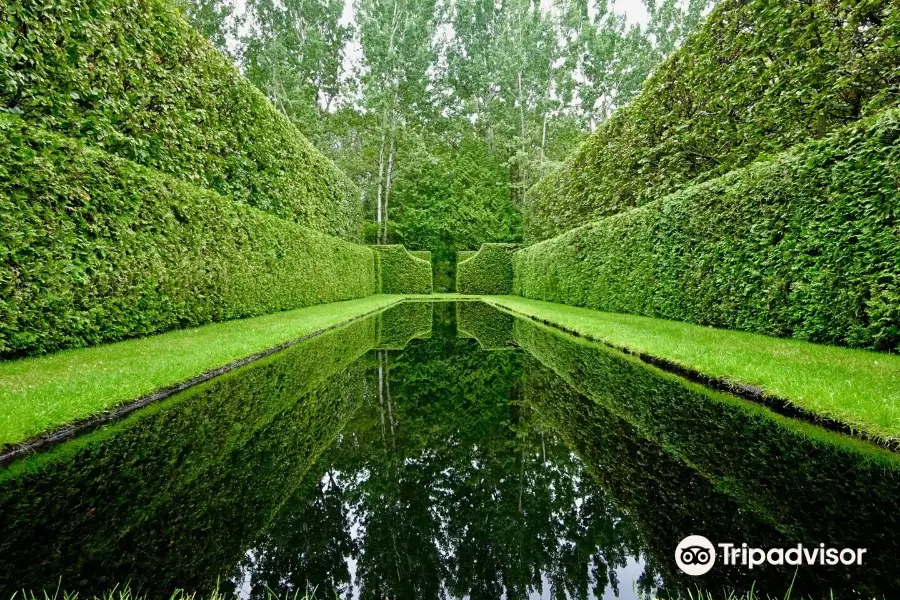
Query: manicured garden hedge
[492, 328]
[271, 419]
[400, 324]
[422, 255]
[462, 255]
[490, 271]
[804, 245]
[98, 249]
[131, 77]
[759, 77]
[399, 272]
[776, 466]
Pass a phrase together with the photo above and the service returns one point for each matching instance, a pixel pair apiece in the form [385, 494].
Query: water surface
[443, 450]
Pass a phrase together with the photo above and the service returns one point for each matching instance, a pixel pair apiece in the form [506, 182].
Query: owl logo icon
[695, 555]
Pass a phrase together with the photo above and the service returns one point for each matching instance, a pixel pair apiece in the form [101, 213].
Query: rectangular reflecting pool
[447, 450]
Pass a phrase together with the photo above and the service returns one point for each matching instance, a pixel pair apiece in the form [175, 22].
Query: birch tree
[293, 52]
[396, 40]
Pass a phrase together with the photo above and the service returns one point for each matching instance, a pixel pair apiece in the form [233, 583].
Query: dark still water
[446, 451]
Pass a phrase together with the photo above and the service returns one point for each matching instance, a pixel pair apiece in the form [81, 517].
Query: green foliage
[462, 255]
[399, 324]
[195, 462]
[805, 245]
[214, 19]
[775, 465]
[490, 327]
[135, 80]
[399, 272]
[448, 197]
[490, 271]
[97, 249]
[422, 254]
[292, 51]
[760, 77]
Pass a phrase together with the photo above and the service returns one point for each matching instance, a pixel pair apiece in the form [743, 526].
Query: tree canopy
[445, 111]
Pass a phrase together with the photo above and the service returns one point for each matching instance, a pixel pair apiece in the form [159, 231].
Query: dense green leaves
[759, 77]
[399, 272]
[134, 79]
[399, 324]
[709, 462]
[490, 271]
[492, 328]
[98, 249]
[806, 245]
[450, 197]
[443, 113]
[292, 53]
[217, 461]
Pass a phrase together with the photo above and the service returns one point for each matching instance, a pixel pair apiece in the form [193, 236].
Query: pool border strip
[44, 441]
[757, 395]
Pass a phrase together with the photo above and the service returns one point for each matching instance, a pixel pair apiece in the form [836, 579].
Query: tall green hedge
[804, 245]
[94, 248]
[492, 328]
[400, 324]
[399, 272]
[490, 271]
[184, 465]
[422, 254]
[759, 77]
[131, 77]
[778, 469]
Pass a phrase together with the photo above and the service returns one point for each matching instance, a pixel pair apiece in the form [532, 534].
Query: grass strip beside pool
[41, 394]
[855, 387]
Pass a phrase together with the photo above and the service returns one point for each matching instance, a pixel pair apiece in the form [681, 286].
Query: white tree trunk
[380, 180]
[387, 189]
[543, 145]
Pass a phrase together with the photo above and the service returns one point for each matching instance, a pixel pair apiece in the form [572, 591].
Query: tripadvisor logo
[696, 555]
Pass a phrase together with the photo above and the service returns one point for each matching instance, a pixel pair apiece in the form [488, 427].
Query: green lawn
[859, 388]
[855, 387]
[43, 393]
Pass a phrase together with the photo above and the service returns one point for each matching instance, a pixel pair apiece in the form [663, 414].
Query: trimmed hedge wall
[399, 272]
[778, 469]
[490, 327]
[399, 325]
[150, 477]
[462, 255]
[97, 249]
[490, 271]
[759, 77]
[806, 245]
[422, 255]
[132, 77]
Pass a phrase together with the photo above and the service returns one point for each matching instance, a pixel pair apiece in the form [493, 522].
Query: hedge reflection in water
[395, 458]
